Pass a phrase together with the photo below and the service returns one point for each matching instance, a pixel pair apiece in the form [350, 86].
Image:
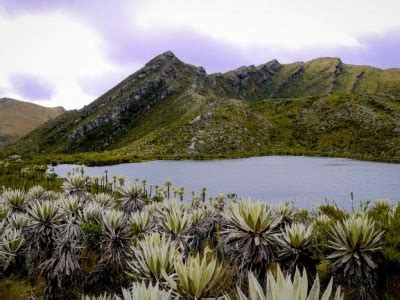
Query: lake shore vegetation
[120, 238]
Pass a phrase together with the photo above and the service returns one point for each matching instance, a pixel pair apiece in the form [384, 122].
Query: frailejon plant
[51, 196]
[18, 221]
[71, 205]
[104, 200]
[10, 243]
[114, 248]
[77, 184]
[283, 287]
[65, 235]
[355, 243]
[250, 236]
[151, 257]
[176, 223]
[62, 271]
[141, 291]
[391, 223]
[92, 212]
[133, 197]
[286, 212]
[16, 200]
[42, 232]
[382, 212]
[296, 246]
[103, 296]
[198, 276]
[140, 223]
[36, 192]
[5, 211]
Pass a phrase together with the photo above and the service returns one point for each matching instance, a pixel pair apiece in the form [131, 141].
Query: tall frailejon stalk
[168, 185]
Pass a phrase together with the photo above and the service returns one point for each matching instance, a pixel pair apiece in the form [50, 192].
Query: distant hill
[170, 108]
[18, 118]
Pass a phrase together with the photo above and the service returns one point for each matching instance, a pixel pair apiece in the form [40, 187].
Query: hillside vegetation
[18, 118]
[173, 109]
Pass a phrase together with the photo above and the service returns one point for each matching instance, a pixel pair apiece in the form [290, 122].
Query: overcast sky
[69, 52]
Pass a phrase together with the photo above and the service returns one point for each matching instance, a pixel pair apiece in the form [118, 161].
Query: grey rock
[195, 120]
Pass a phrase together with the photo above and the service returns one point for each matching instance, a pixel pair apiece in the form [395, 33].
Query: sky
[68, 52]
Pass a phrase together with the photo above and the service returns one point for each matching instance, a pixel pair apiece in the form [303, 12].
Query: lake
[304, 181]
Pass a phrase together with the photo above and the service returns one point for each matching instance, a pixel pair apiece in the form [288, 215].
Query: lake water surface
[305, 181]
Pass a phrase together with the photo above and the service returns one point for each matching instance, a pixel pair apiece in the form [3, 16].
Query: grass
[12, 288]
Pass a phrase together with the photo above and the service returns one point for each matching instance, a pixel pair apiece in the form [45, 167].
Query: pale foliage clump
[283, 287]
[153, 256]
[198, 276]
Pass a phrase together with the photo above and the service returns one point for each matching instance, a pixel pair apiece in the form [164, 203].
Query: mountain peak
[169, 54]
[167, 57]
[168, 93]
[19, 117]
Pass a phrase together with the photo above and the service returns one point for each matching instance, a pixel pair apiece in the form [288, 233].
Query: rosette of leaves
[36, 192]
[198, 277]
[141, 291]
[77, 184]
[62, 272]
[296, 248]
[16, 200]
[140, 223]
[151, 257]
[355, 244]
[114, 249]
[175, 223]
[284, 287]
[42, 231]
[250, 236]
[132, 197]
[104, 200]
[10, 244]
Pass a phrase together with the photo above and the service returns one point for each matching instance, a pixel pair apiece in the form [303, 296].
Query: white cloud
[55, 48]
[289, 24]
[69, 52]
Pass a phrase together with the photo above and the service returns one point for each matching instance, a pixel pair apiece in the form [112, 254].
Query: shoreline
[98, 159]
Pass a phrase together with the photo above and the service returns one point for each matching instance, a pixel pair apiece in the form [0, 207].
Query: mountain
[170, 108]
[18, 118]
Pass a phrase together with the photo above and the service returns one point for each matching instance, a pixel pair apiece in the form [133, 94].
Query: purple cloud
[31, 87]
[127, 46]
[377, 50]
[100, 84]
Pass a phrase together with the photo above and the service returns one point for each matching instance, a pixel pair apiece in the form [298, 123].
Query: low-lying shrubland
[119, 239]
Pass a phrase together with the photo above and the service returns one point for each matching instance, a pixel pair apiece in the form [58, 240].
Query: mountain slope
[18, 118]
[171, 108]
